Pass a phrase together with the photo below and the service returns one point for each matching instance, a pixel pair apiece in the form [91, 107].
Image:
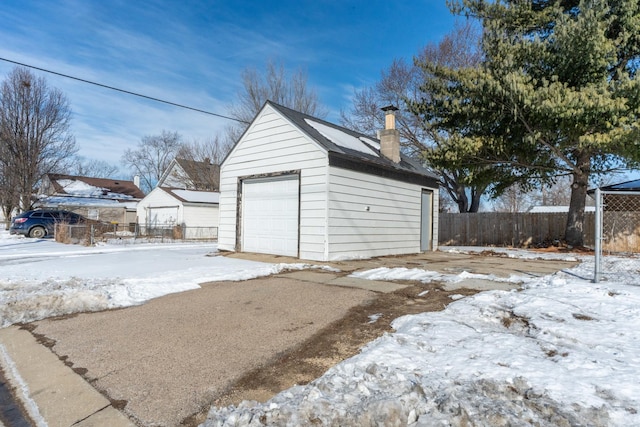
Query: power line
[123, 91]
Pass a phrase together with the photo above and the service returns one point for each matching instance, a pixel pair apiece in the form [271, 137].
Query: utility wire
[124, 91]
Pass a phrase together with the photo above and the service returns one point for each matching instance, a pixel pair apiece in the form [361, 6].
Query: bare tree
[400, 84]
[212, 150]
[34, 133]
[152, 157]
[93, 168]
[557, 193]
[275, 85]
[199, 165]
[514, 199]
[9, 196]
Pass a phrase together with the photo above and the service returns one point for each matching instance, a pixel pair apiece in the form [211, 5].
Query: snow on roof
[195, 196]
[557, 209]
[375, 144]
[74, 187]
[56, 201]
[342, 139]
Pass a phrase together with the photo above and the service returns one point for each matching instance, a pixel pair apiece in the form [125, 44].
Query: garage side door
[270, 215]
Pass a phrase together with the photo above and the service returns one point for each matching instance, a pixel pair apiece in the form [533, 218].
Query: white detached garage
[196, 212]
[299, 186]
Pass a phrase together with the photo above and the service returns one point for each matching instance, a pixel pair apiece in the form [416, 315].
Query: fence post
[597, 270]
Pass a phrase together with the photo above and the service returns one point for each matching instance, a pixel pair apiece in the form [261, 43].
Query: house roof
[95, 202]
[84, 186]
[623, 186]
[193, 196]
[202, 174]
[557, 209]
[352, 149]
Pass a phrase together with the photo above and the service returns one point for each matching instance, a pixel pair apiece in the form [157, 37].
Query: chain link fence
[617, 228]
[90, 234]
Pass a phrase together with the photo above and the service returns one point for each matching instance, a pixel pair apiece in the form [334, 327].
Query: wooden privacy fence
[520, 229]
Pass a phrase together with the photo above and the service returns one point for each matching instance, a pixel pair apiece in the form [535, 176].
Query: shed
[300, 186]
[194, 212]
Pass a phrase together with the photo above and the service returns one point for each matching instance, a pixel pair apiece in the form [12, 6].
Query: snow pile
[426, 276]
[563, 351]
[513, 253]
[42, 278]
[30, 299]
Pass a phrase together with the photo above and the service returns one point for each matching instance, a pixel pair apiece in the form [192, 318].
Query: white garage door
[270, 215]
[162, 216]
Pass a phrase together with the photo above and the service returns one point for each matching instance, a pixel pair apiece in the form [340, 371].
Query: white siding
[201, 221]
[271, 145]
[436, 209]
[162, 205]
[201, 215]
[373, 216]
[171, 177]
[158, 198]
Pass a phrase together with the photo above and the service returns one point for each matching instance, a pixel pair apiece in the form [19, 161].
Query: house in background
[299, 186]
[194, 213]
[184, 200]
[103, 199]
[191, 175]
[556, 209]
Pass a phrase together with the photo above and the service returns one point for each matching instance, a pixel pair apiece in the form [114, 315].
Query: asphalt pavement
[166, 359]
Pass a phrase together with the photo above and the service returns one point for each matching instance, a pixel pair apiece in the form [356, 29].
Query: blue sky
[192, 52]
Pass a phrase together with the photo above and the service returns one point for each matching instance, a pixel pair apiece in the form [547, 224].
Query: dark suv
[41, 223]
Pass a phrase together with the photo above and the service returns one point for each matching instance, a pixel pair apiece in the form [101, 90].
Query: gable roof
[193, 196]
[84, 186]
[354, 150]
[202, 175]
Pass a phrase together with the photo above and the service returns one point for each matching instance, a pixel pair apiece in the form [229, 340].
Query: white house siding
[171, 179]
[273, 145]
[201, 221]
[373, 216]
[163, 204]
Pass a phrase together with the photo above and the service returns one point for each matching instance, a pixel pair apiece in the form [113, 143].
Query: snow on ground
[512, 253]
[426, 276]
[561, 351]
[43, 278]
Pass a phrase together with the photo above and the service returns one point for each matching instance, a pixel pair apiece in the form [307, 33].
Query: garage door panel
[270, 216]
[162, 216]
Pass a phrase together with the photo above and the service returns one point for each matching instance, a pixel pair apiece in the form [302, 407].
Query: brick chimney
[390, 136]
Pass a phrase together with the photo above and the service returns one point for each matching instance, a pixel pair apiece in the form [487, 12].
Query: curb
[52, 393]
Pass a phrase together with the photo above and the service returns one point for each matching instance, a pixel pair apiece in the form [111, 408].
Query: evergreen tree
[557, 93]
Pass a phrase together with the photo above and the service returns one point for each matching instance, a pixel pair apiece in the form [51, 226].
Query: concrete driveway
[167, 359]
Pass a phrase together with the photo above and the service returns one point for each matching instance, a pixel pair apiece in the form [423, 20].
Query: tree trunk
[476, 195]
[461, 198]
[7, 210]
[574, 232]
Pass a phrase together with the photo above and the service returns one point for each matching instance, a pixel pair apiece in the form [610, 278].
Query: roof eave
[374, 168]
